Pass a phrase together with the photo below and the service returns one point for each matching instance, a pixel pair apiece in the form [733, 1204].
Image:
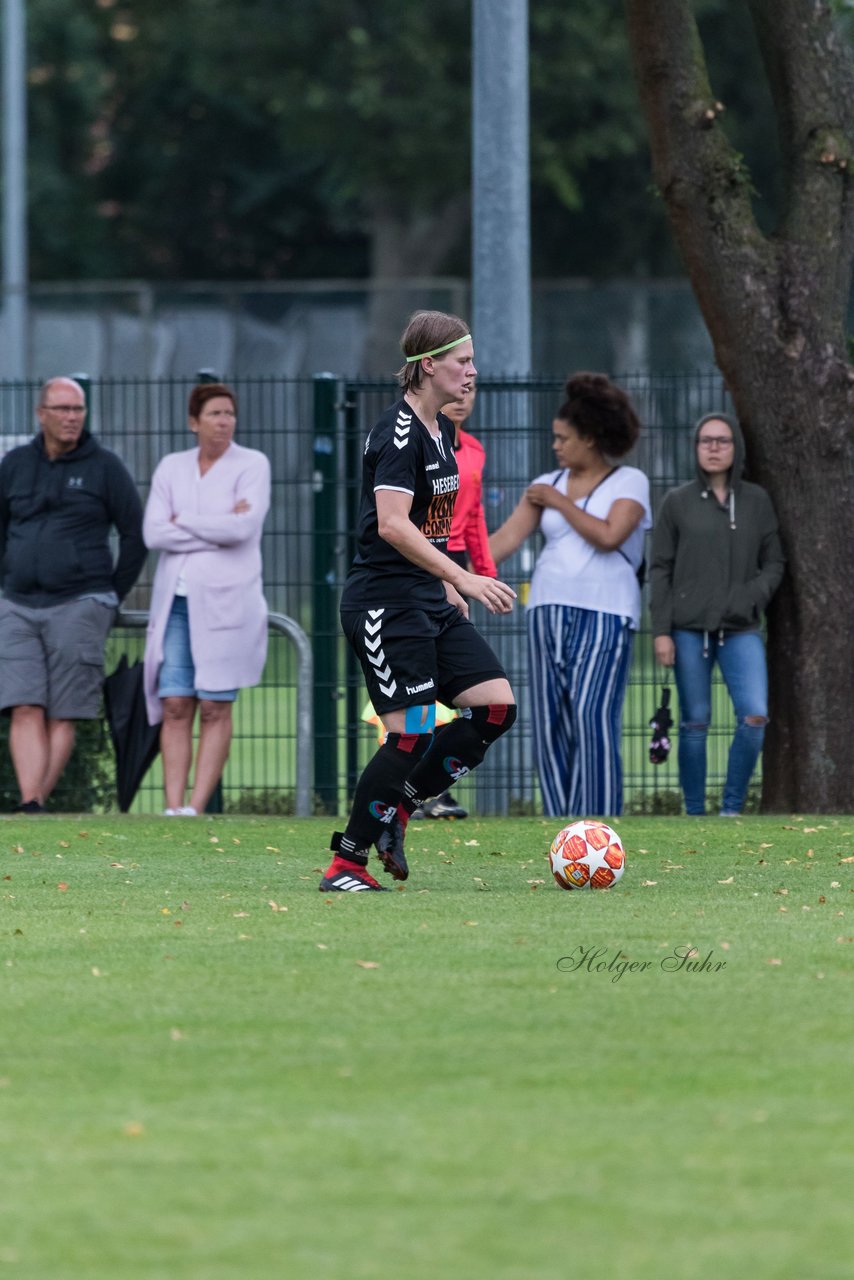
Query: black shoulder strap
[606, 476]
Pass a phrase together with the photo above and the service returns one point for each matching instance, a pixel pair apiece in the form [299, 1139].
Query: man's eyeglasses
[65, 408]
[715, 442]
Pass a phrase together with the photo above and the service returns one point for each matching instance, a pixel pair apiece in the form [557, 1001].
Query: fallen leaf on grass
[774, 960]
[133, 1129]
[472, 842]
[834, 884]
[240, 915]
[62, 887]
[471, 923]
[96, 972]
[841, 860]
[647, 884]
[275, 906]
[367, 964]
[176, 1034]
[729, 880]
[271, 848]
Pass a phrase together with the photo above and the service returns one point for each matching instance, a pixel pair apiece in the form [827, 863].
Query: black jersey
[401, 454]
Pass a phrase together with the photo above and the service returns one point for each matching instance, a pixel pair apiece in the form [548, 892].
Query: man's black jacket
[55, 521]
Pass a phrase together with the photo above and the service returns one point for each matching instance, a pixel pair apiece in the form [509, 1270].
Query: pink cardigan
[190, 520]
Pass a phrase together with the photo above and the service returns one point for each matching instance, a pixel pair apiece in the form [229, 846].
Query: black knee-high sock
[378, 790]
[456, 749]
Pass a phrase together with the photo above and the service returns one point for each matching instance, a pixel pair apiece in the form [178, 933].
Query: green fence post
[324, 591]
[355, 693]
[216, 803]
[84, 380]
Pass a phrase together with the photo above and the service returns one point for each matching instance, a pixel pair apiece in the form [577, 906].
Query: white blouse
[570, 571]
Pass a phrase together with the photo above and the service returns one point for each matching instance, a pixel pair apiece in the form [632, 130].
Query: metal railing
[283, 625]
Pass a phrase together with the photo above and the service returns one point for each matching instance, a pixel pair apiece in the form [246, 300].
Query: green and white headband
[437, 351]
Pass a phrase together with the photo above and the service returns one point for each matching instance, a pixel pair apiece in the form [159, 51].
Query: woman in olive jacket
[716, 562]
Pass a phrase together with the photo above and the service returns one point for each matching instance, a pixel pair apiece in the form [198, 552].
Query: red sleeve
[468, 530]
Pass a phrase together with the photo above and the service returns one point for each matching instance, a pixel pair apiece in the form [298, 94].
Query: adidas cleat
[348, 877]
[390, 850]
[444, 806]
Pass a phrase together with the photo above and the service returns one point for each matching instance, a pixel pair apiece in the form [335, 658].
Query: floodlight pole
[501, 222]
[15, 189]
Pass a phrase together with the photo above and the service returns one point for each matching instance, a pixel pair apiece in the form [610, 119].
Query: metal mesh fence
[313, 431]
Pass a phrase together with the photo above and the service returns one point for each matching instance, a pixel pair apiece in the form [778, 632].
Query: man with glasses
[60, 496]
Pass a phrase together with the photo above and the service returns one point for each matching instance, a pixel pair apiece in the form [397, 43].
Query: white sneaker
[186, 811]
[171, 813]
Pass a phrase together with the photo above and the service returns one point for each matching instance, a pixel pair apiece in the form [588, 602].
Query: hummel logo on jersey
[402, 428]
[432, 466]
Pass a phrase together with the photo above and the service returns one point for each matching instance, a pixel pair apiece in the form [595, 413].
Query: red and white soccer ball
[587, 855]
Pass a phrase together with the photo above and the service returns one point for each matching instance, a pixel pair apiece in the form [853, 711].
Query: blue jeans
[741, 658]
[177, 675]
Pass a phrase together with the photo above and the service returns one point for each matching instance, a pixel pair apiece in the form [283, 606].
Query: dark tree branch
[702, 179]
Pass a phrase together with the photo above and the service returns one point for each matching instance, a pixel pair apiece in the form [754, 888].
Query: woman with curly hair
[584, 603]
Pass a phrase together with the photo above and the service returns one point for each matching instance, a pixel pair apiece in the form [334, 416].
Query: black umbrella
[135, 741]
[661, 723]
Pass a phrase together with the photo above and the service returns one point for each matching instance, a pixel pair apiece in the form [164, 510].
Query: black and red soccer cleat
[348, 877]
[390, 850]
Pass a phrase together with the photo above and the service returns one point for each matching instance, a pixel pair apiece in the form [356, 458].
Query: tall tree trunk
[776, 309]
[405, 244]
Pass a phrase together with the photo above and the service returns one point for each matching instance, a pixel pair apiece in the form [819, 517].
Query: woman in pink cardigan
[207, 631]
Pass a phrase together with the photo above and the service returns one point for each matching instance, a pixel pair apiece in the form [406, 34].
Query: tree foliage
[210, 140]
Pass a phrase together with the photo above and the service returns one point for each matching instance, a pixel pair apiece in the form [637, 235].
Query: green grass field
[210, 1071]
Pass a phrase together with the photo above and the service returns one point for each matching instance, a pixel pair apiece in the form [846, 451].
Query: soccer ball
[587, 855]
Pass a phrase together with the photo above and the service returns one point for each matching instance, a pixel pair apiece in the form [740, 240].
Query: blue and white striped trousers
[578, 661]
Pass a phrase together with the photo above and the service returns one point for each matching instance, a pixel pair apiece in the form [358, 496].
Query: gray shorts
[54, 658]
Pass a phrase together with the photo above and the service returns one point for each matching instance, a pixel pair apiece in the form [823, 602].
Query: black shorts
[413, 657]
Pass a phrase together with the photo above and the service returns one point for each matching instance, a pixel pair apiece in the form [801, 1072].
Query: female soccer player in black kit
[404, 612]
